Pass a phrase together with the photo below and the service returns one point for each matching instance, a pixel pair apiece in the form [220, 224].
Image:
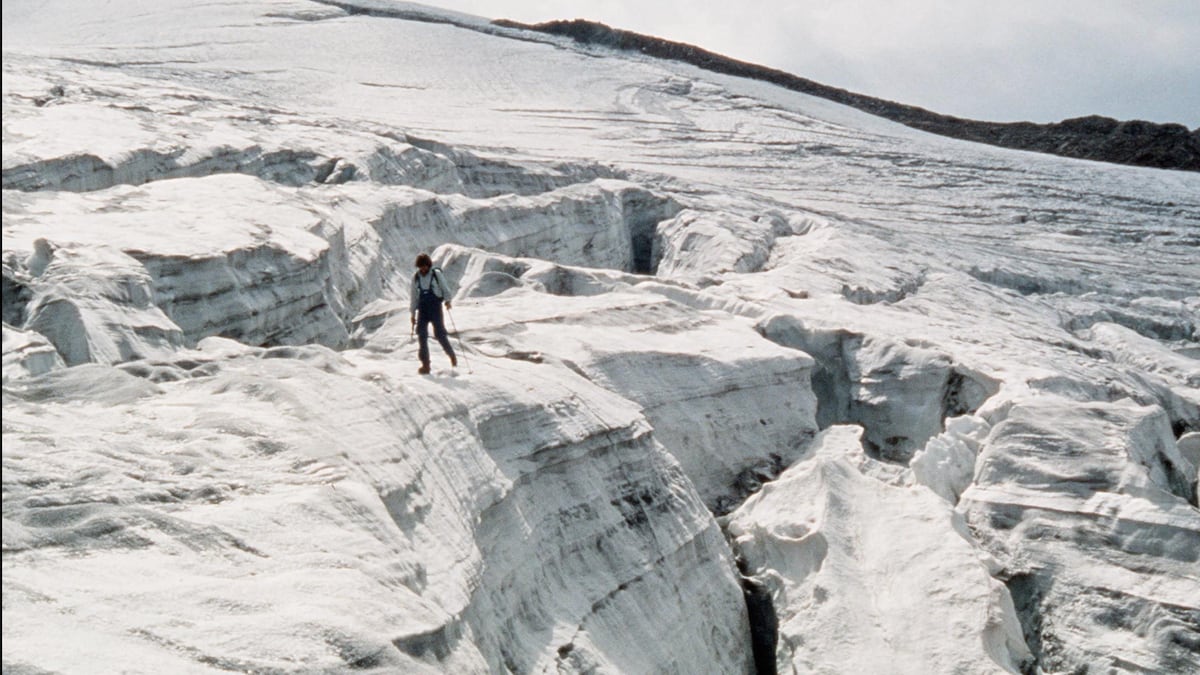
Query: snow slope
[750, 381]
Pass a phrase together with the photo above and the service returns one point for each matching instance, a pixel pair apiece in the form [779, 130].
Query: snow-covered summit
[748, 381]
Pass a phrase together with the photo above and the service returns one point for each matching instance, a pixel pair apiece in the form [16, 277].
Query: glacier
[750, 381]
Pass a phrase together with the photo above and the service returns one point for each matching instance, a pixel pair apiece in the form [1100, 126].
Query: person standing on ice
[429, 291]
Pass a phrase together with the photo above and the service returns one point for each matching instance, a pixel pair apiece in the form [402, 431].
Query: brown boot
[453, 361]
[424, 369]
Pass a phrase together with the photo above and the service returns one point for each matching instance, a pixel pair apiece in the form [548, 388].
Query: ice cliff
[749, 381]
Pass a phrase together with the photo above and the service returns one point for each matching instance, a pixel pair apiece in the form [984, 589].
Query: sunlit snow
[934, 405]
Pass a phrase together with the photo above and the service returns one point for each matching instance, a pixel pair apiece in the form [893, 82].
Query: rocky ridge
[1136, 142]
[705, 407]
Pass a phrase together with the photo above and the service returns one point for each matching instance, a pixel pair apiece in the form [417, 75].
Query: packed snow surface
[748, 381]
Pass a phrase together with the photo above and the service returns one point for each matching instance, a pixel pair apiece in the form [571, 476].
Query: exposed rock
[218, 456]
[1166, 146]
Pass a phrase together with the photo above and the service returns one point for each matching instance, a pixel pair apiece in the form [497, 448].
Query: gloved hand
[447, 304]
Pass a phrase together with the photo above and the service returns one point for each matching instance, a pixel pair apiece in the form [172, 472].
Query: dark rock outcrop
[1165, 146]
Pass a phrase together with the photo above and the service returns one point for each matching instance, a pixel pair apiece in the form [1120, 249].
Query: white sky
[999, 60]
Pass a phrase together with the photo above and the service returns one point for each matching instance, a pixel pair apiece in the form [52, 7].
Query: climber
[429, 291]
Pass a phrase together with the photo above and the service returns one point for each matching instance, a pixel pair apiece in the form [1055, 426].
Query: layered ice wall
[295, 508]
[748, 381]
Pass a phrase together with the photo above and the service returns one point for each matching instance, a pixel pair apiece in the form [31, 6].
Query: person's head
[424, 263]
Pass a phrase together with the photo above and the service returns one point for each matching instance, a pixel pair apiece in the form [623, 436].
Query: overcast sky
[999, 60]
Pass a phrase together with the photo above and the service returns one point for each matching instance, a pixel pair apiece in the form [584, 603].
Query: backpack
[435, 271]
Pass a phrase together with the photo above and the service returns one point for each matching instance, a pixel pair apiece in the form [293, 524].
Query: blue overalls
[429, 309]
